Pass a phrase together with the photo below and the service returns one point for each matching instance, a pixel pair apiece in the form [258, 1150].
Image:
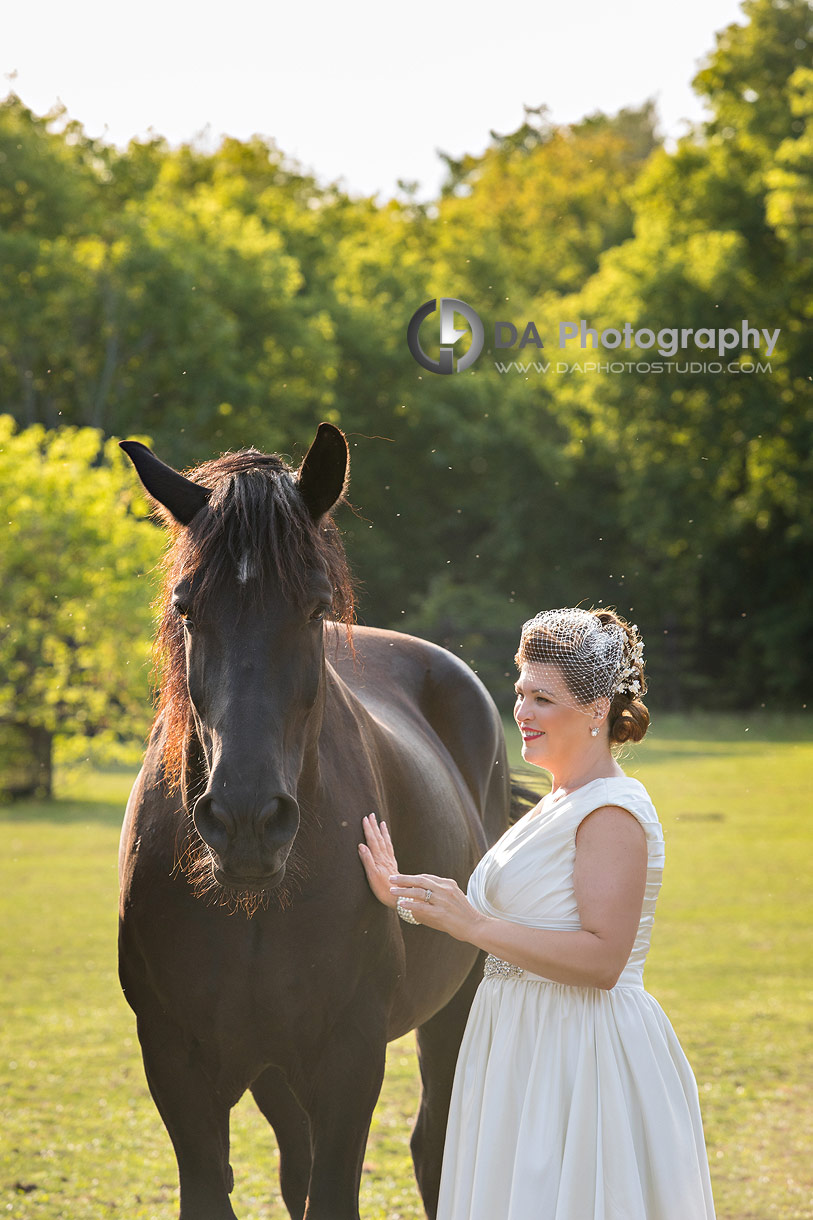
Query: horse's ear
[179, 496]
[322, 476]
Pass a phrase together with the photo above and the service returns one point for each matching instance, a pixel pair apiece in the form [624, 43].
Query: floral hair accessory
[596, 659]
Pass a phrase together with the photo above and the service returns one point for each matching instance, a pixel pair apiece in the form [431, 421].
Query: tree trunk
[42, 758]
[26, 761]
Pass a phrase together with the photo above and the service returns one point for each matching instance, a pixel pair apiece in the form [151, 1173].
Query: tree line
[209, 300]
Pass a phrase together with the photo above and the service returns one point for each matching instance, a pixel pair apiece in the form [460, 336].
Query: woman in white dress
[572, 1097]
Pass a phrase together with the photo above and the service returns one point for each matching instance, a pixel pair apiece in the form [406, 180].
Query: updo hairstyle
[628, 717]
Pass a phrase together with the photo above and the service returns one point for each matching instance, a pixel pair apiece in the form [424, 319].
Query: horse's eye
[182, 612]
[320, 613]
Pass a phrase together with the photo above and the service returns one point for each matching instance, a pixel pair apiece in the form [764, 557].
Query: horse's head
[255, 568]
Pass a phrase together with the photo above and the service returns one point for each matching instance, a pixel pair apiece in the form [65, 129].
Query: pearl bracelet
[405, 912]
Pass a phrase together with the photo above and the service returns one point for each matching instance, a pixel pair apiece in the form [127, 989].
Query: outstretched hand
[378, 858]
[437, 902]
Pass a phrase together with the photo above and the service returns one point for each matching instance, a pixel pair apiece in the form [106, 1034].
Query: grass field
[731, 963]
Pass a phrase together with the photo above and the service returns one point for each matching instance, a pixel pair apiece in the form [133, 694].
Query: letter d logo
[449, 334]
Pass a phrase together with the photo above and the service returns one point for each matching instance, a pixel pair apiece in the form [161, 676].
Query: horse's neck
[345, 718]
[341, 703]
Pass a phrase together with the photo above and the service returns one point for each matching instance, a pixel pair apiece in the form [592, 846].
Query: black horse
[251, 947]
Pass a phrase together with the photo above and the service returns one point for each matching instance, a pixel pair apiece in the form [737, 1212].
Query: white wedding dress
[570, 1103]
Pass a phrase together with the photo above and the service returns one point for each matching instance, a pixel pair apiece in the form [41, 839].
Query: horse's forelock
[255, 534]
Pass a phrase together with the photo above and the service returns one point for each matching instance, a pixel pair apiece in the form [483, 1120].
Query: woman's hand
[438, 902]
[448, 909]
[378, 858]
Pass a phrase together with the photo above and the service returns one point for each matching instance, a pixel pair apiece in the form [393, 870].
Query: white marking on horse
[244, 568]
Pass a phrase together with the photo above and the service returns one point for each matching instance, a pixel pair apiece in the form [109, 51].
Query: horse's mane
[257, 518]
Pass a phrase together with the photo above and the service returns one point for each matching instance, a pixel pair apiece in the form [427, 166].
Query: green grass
[731, 963]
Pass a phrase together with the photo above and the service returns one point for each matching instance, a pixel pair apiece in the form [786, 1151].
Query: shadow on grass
[696, 729]
[84, 795]
[63, 812]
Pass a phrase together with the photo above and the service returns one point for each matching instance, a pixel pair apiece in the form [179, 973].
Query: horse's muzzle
[249, 849]
[247, 884]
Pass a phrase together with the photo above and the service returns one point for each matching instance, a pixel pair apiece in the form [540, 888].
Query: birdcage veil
[597, 659]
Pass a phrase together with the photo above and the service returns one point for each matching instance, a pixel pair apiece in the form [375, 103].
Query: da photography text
[666, 340]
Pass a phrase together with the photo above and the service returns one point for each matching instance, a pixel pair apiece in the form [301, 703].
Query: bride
[572, 1098]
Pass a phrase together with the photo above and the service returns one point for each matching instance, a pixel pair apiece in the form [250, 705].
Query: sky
[363, 93]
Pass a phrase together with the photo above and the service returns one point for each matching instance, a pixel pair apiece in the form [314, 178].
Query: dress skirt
[572, 1103]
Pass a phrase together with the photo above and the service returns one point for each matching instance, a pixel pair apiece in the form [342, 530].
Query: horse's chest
[227, 976]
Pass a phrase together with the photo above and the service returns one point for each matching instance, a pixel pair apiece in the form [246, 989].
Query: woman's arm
[609, 879]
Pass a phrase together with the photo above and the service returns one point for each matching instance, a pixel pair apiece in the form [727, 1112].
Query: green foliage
[218, 299]
[790, 183]
[713, 472]
[49, 180]
[747, 79]
[76, 582]
[535, 211]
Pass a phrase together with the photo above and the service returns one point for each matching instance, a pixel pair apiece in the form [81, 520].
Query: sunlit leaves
[76, 582]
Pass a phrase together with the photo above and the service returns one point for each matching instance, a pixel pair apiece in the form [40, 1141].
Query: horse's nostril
[278, 821]
[223, 817]
[214, 823]
[268, 812]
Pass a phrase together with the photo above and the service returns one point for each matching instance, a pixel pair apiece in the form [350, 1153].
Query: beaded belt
[495, 967]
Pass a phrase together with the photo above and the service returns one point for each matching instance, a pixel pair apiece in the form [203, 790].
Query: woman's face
[553, 731]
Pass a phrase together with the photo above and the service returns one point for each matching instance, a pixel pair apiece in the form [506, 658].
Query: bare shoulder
[610, 823]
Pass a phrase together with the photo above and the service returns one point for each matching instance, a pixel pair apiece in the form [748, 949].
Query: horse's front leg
[344, 1085]
[195, 1114]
